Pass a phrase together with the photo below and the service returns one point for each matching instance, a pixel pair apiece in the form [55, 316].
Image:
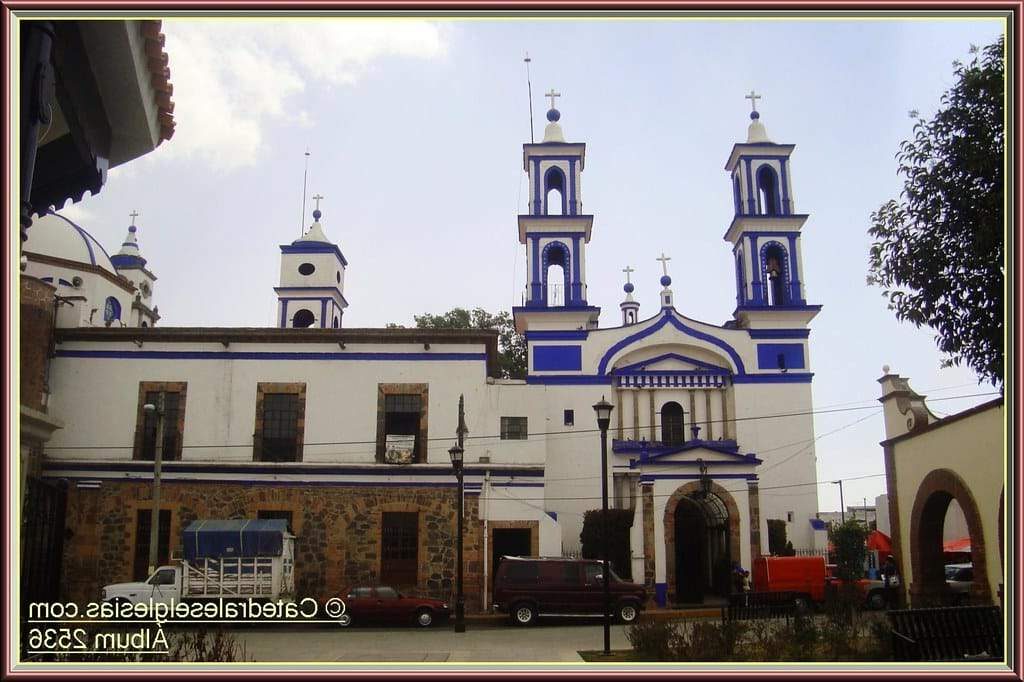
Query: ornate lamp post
[603, 410]
[705, 480]
[456, 452]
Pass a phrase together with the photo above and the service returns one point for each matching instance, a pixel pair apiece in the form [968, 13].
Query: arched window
[737, 197]
[111, 310]
[303, 319]
[775, 273]
[554, 192]
[741, 279]
[145, 324]
[336, 322]
[672, 424]
[556, 273]
[767, 191]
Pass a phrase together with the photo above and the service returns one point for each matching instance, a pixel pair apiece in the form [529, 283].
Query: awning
[958, 545]
[879, 542]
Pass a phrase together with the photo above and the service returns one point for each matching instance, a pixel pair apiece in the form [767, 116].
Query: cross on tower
[134, 215]
[628, 270]
[753, 100]
[552, 94]
[317, 198]
[664, 262]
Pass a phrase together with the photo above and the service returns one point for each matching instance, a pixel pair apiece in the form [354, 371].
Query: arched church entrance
[702, 541]
[927, 520]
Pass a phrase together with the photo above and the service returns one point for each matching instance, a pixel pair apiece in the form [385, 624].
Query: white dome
[54, 235]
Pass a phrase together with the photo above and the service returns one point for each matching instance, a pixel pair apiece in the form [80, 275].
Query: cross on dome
[753, 97]
[665, 279]
[134, 214]
[316, 210]
[628, 270]
[552, 94]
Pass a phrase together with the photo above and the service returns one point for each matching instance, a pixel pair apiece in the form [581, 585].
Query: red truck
[807, 577]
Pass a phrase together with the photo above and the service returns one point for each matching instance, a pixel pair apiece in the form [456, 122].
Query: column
[754, 502]
[636, 414]
[693, 414]
[709, 431]
[654, 428]
[618, 405]
[647, 493]
[727, 431]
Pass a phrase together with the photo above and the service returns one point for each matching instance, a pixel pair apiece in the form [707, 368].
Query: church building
[344, 432]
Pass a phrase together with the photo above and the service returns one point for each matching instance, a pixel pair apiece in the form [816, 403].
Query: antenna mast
[529, 90]
[305, 173]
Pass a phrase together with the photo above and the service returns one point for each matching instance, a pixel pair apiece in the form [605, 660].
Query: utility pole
[460, 600]
[154, 521]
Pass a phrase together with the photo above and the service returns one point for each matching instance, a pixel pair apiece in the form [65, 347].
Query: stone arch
[670, 528]
[928, 580]
[999, 520]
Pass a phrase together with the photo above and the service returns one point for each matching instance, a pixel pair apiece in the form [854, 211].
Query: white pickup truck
[235, 559]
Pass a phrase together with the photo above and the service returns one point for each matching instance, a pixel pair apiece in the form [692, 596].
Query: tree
[938, 252]
[849, 541]
[511, 344]
[592, 539]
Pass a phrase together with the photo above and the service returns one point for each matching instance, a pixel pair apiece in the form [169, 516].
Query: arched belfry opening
[554, 192]
[303, 319]
[767, 191]
[775, 273]
[741, 279]
[672, 432]
[556, 273]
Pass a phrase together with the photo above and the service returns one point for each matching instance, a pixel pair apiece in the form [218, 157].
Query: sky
[415, 128]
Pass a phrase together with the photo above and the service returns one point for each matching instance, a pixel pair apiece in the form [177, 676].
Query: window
[775, 271]
[519, 572]
[767, 191]
[142, 531]
[559, 573]
[361, 593]
[387, 593]
[399, 545]
[307, 269]
[554, 192]
[672, 424]
[277, 514]
[401, 423]
[570, 417]
[111, 310]
[146, 423]
[556, 273]
[163, 577]
[593, 572]
[513, 428]
[280, 422]
[789, 517]
[303, 319]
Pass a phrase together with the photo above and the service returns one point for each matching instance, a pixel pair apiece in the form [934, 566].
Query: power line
[573, 433]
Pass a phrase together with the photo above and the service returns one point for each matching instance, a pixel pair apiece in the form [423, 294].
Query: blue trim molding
[240, 355]
[779, 333]
[313, 247]
[569, 379]
[540, 335]
[557, 358]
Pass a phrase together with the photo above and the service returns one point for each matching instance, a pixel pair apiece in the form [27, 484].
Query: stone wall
[338, 532]
[36, 324]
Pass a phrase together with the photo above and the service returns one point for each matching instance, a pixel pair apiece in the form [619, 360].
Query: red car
[382, 604]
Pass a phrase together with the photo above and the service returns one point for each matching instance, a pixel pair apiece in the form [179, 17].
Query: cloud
[233, 78]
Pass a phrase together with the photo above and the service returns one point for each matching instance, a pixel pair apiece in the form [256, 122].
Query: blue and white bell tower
[765, 232]
[555, 232]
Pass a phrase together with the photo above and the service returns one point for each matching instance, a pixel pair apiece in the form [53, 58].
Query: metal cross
[552, 94]
[317, 198]
[628, 270]
[134, 215]
[664, 262]
[753, 100]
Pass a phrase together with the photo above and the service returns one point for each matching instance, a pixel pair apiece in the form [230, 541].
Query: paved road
[546, 642]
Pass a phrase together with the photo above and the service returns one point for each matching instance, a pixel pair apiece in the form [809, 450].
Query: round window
[307, 269]
[337, 276]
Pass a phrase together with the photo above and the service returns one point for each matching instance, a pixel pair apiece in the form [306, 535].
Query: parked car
[527, 588]
[872, 589]
[381, 604]
[959, 578]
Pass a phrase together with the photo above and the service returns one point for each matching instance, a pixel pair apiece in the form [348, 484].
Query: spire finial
[134, 214]
[628, 286]
[665, 279]
[316, 210]
[552, 95]
[753, 97]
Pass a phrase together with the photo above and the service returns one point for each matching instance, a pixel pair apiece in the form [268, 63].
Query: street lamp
[154, 520]
[705, 480]
[603, 410]
[456, 452]
[842, 504]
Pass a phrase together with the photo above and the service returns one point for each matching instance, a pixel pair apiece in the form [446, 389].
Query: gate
[43, 541]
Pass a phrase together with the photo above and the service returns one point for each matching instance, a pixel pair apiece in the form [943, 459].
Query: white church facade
[345, 432]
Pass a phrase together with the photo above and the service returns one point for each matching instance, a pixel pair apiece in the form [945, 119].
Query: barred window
[513, 428]
[280, 427]
[150, 392]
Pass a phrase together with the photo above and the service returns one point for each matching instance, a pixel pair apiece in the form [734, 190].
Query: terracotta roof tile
[160, 75]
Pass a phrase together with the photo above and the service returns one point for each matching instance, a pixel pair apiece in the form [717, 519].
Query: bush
[653, 639]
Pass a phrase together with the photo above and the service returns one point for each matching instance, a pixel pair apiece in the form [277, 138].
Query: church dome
[54, 235]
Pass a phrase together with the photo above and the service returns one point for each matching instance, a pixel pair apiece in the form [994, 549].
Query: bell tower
[555, 232]
[765, 231]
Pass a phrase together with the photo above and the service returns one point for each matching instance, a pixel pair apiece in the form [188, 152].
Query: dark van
[529, 587]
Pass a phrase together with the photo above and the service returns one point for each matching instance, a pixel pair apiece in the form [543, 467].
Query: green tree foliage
[511, 344]
[938, 251]
[849, 541]
[619, 523]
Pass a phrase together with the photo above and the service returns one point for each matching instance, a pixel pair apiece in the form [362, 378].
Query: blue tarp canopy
[234, 538]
